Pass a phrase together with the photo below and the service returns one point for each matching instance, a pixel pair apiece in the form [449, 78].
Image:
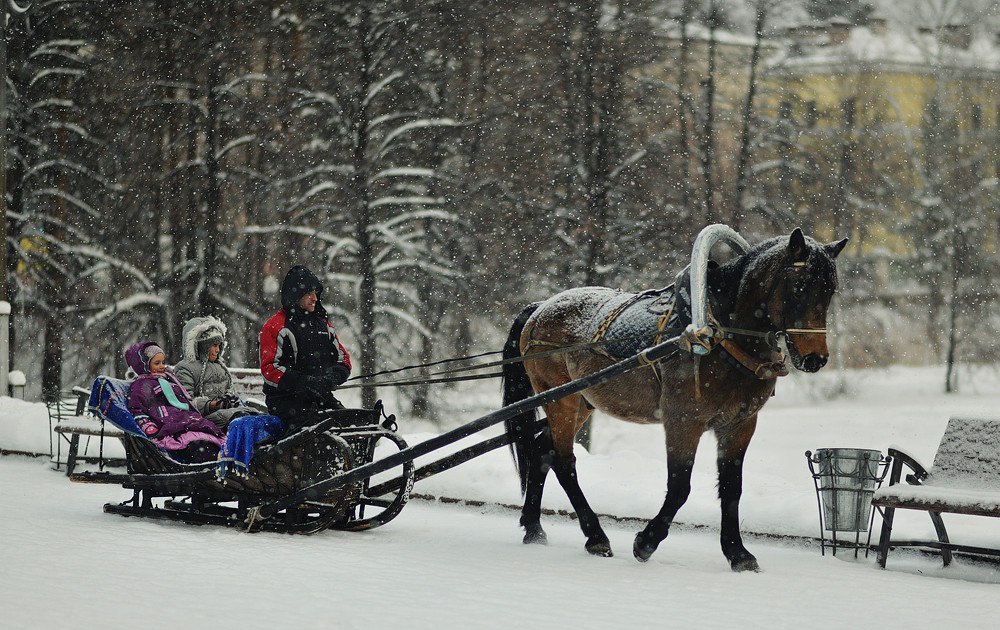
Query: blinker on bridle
[798, 331]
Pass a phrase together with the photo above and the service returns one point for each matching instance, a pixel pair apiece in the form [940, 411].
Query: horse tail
[517, 387]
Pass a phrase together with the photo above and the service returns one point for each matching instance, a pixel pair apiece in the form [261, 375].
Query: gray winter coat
[207, 380]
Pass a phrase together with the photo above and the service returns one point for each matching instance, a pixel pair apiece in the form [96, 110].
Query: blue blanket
[243, 435]
[109, 400]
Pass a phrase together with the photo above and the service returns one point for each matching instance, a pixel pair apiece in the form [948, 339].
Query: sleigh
[209, 493]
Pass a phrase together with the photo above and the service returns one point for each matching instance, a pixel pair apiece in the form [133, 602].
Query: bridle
[772, 337]
[719, 335]
[743, 361]
[798, 305]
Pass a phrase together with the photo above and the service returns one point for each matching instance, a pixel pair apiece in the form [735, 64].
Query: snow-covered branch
[233, 144]
[125, 305]
[424, 123]
[378, 87]
[415, 200]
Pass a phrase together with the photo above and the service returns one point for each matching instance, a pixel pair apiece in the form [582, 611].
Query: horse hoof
[744, 562]
[600, 548]
[535, 536]
[642, 550]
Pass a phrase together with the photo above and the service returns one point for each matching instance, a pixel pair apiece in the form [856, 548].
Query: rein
[433, 378]
[442, 377]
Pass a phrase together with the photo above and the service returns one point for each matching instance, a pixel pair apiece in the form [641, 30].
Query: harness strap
[697, 377]
[605, 325]
[661, 327]
[762, 370]
[663, 320]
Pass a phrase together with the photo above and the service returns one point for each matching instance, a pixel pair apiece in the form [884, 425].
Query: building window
[849, 107]
[977, 117]
[784, 110]
[812, 115]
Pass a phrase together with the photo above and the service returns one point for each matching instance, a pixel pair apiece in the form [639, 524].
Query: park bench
[964, 479]
[249, 385]
[68, 420]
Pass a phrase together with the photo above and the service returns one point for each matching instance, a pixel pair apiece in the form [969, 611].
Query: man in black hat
[301, 358]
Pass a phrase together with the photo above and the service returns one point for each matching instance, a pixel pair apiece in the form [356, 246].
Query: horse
[781, 287]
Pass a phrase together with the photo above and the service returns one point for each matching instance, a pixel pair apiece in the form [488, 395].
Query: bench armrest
[82, 396]
[899, 458]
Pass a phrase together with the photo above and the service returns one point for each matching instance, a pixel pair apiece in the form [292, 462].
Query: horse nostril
[814, 362]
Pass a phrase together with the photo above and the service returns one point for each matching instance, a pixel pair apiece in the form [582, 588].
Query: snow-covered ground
[445, 566]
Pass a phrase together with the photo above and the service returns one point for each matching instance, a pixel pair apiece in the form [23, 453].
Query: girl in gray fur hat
[205, 376]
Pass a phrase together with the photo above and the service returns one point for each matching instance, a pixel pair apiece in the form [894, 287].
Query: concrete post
[4, 348]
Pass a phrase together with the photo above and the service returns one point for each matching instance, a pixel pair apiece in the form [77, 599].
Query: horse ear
[797, 248]
[835, 248]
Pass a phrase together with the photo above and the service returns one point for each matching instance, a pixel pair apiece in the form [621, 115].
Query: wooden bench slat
[107, 431]
[939, 499]
[937, 506]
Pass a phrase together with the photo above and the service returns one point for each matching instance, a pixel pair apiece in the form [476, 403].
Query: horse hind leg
[566, 417]
[540, 462]
[732, 449]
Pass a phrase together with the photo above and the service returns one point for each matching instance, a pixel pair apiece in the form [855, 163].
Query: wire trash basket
[845, 480]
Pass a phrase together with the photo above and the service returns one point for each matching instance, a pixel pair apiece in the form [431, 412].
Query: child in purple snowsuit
[163, 408]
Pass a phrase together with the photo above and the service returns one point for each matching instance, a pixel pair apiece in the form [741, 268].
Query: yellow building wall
[890, 107]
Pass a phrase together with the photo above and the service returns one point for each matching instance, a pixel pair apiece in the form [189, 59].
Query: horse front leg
[682, 444]
[732, 449]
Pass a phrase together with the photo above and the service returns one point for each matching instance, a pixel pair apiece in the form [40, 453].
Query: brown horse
[782, 286]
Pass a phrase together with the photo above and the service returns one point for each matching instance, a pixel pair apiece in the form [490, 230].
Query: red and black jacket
[295, 343]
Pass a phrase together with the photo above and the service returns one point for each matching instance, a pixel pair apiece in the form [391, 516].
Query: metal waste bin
[845, 480]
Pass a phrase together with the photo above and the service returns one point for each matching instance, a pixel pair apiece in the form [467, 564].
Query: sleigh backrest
[109, 401]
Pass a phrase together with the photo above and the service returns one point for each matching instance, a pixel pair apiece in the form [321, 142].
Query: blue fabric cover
[109, 400]
[244, 434]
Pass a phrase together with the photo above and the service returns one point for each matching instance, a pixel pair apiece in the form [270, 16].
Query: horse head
[794, 280]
